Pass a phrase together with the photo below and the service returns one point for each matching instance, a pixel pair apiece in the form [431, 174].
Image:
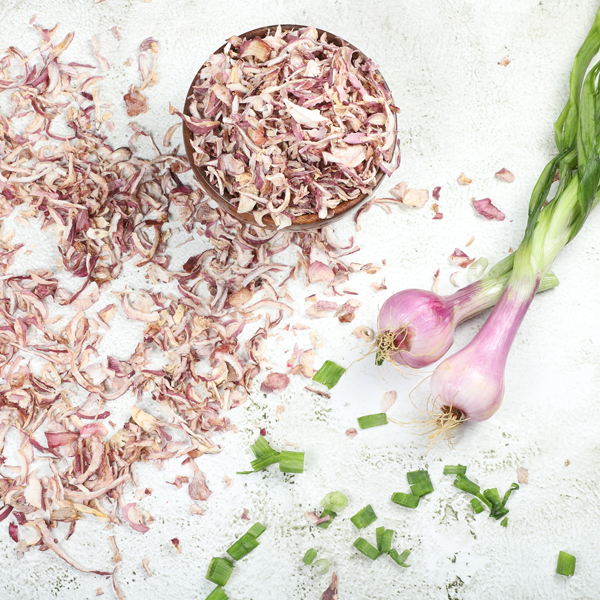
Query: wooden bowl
[303, 222]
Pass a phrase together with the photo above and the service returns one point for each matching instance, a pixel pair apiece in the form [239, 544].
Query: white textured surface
[461, 111]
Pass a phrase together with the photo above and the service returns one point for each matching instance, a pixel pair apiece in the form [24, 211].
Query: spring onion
[321, 566]
[566, 564]
[291, 462]
[217, 594]
[416, 327]
[399, 558]
[470, 384]
[335, 501]
[256, 530]
[477, 506]
[420, 483]
[219, 570]
[327, 513]
[329, 374]
[372, 420]
[406, 500]
[455, 470]
[243, 546]
[309, 556]
[364, 517]
[366, 548]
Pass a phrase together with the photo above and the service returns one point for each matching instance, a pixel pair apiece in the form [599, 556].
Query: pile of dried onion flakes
[107, 206]
[291, 124]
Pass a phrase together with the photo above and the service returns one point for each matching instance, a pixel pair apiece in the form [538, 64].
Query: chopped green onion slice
[379, 536]
[420, 483]
[335, 501]
[477, 506]
[219, 570]
[485, 500]
[365, 516]
[291, 462]
[466, 485]
[367, 549]
[261, 448]
[329, 374]
[504, 522]
[309, 556]
[400, 558]
[243, 546]
[386, 541]
[262, 463]
[455, 470]
[372, 420]
[217, 594]
[407, 500]
[327, 513]
[499, 513]
[256, 530]
[566, 564]
[321, 566]
[511, 489]
[494, 497]
[265, 456]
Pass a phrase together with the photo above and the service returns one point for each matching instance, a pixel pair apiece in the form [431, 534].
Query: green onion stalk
[469, 385]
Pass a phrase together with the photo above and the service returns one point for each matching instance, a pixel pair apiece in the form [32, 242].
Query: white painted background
[461, 112]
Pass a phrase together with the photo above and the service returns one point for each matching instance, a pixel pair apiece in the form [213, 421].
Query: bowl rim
[302, 222]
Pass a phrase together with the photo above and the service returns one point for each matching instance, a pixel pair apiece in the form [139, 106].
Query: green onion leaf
[386, 541]
[256, 530]
[367, 549]
[420, 483]
[365, 516]
[217, 594]
[335, 501]
[466, 485]
[329, 374]
[372, 420]
[309, 556]
[326, 513]
[511, 489]
[291, 462]
[400, 558]
[243, 546]
[455, 470]
[219, 570]
[504, 522]
[321, 566]
[477, 506]
[407, 500]
[566, 564]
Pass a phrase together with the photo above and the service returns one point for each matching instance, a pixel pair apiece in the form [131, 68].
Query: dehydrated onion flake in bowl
[289, 126]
